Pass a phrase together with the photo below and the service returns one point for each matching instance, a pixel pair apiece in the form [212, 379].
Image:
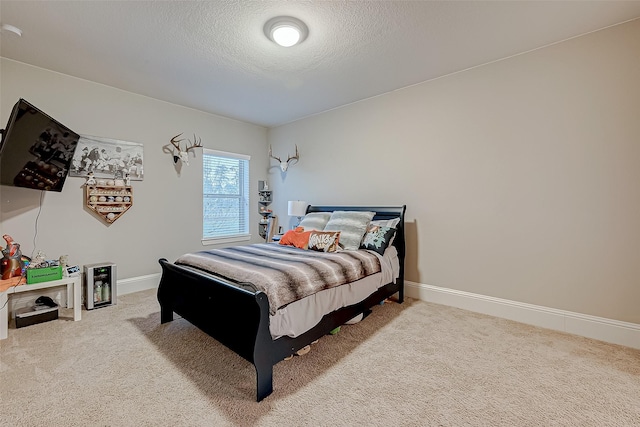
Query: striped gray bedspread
[284, 273]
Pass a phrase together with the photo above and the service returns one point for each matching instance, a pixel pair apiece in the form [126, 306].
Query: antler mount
[184, 155]
[284, 165]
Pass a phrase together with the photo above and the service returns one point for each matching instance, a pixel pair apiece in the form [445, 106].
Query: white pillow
[315, 221]
[352, 225]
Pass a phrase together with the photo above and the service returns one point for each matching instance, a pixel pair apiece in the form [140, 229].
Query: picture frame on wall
[107, 158]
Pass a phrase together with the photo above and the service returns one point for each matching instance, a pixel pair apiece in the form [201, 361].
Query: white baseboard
[140, 283]
[600, 328]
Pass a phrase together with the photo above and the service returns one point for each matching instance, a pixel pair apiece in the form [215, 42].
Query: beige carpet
[414, 364]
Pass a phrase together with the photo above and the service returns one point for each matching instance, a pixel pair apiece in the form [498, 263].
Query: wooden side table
[74, 297]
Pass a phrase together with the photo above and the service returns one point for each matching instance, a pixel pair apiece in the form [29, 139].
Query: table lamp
[298, 209]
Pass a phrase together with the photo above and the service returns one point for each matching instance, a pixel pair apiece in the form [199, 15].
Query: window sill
[227, 239]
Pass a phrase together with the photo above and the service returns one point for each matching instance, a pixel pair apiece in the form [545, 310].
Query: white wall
[521, 177]
[166, 218]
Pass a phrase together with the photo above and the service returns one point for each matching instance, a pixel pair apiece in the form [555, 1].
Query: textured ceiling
[213, 55]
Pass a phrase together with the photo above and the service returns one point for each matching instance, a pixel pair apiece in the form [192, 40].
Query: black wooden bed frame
[239, 318]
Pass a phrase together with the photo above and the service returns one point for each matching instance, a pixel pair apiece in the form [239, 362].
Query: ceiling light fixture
[286, 30]
[15, 30]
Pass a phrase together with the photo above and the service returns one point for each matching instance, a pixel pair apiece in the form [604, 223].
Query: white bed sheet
[302, 315]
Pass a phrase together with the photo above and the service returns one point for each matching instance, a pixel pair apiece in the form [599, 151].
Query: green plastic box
[45, 274]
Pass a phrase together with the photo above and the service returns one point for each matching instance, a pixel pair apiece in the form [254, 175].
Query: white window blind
[225, 194]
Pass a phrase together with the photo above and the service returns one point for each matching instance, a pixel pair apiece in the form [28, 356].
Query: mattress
[300, 316]
[284, 273]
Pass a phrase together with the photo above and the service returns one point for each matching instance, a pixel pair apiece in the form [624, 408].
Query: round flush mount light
[286, 30]
[10, 28]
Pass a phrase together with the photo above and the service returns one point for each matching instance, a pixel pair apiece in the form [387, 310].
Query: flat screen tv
[36, 150]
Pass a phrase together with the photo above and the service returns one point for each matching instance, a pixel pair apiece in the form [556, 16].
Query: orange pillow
[298, 238]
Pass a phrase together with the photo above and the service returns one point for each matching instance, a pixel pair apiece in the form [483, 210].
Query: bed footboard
[235, 317]
[239, 318]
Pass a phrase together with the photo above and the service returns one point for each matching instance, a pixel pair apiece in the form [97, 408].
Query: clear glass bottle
[97, 291]
[106, 292]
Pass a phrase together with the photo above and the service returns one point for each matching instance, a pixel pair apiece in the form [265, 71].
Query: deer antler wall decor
[184, 155]
[285, 165]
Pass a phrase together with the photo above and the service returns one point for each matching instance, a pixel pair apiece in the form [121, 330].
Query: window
[225, 195]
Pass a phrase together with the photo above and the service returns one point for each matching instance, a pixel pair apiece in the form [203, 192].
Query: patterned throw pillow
[386, 222]
[298, 238]
[392, 223]
[324, 241]
[378, 238]
[315, 221]
[352, 225]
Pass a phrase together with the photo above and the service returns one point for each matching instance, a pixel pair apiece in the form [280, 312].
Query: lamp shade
[297, 208]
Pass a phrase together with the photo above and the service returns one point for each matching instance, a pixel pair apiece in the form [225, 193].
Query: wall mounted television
[36, 150]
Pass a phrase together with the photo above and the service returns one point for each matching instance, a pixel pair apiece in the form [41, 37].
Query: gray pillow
[352, 225]
[315, 221]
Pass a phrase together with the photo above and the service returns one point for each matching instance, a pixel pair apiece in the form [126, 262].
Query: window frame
[231, 238]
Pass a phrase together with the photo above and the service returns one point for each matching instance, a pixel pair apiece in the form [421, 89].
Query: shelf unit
[109, 202]
[17, 285]
[264, 200]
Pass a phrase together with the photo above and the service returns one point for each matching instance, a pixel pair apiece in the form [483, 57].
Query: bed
[239, 316]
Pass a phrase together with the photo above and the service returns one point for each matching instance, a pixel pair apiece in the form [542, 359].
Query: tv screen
[36, 150]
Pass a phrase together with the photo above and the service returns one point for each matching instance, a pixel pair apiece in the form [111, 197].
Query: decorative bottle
[106, 292]
[97, 292]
